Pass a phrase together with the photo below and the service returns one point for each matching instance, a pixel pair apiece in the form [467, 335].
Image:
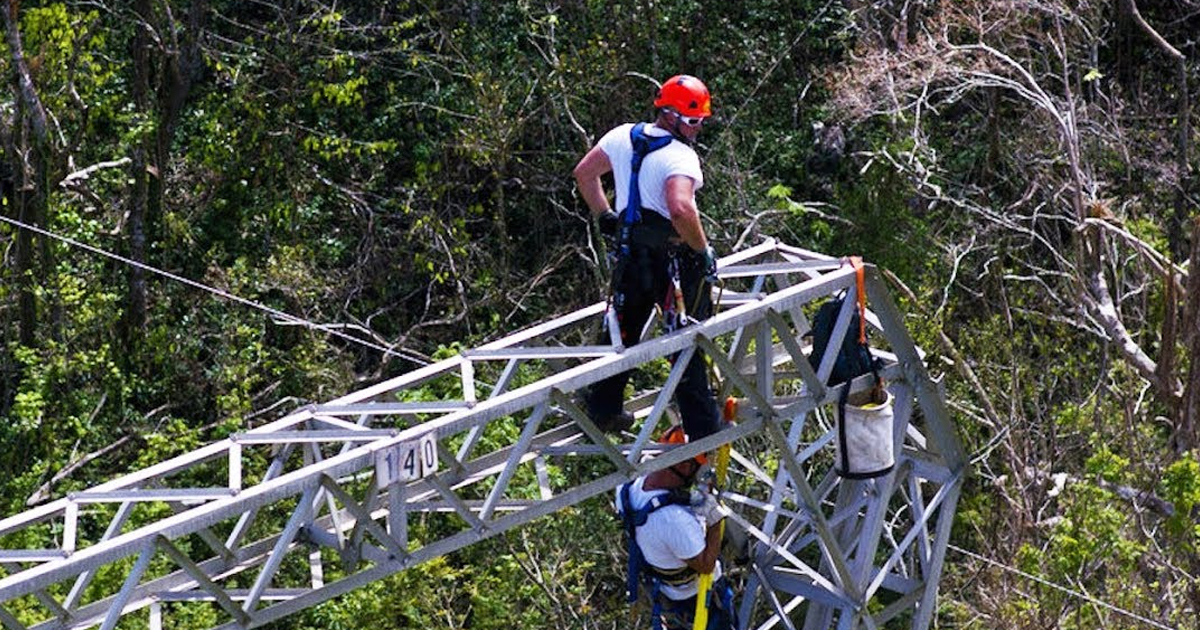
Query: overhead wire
[1089, 598]
[287, 317]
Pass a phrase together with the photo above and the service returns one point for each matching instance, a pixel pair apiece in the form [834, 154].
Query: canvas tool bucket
[865, 435]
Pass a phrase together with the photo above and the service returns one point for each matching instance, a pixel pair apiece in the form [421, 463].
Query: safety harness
[643, 145]
[642, 571]
[639, 569]
[634, 517]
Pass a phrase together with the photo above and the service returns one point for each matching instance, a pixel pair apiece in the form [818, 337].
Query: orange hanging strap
[857, 263]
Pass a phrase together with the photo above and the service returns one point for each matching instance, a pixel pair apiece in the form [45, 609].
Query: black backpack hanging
[854, 359]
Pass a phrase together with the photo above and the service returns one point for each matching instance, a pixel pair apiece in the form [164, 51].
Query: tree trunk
[164, 69]
[27, 153]
[1123, 36]
[1182, 157]
[135, 307]
[1183, 116]
[1189, 410]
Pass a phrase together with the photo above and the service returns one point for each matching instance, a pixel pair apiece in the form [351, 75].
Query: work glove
[609, 221]
[610, 225]
[708, 508]
[710, 264]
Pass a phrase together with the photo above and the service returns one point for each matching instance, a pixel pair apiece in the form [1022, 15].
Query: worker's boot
[614, 423]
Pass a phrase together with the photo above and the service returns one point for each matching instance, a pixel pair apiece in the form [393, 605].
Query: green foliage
[1181, 486]
[1106, 465]
[536, 577]
[405, 167]
[1092, 530]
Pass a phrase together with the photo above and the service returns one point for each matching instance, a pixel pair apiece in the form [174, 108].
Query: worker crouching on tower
[662, 255]
[673, 531]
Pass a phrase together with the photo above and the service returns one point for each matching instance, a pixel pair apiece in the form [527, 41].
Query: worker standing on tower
[662, 253]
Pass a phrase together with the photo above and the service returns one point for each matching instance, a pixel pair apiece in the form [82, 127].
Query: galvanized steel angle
[870, 526]
[397, 513]
[916, 502]
[274, 470]
[904, 603]
[369, 505]
[335, 423]
[932, 568]
[828, 543]
[404, 381]
[848, 512]
[85, 578]
[661, 402]
[516, 453]
[781, 482]
[460, 506]
[593, 432]
[363, 517]
[49, 602]
[932, 404]
[750, 467]
[301, 516]
[116, 606]
[757, 399]
[867, 619]
[206, 534]
[781, 613]
[730, 497]
[919, 527]
[738, 349]
[313, 455]
[202, 580]
[784, 554]
[816, 445]
[813, 385]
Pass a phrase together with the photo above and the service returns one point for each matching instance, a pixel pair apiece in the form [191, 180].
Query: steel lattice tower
[827, 552]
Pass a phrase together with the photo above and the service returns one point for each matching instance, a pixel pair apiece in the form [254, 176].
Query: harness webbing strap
[643, 145]
[843, 440]
[634, 517]
[857, 263]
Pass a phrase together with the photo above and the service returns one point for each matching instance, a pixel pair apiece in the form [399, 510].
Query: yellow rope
[705, 581]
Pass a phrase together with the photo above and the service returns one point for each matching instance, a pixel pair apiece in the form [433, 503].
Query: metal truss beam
[342, 479]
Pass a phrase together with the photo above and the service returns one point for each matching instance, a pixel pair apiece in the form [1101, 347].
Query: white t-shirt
[671, 534]
[676, 158]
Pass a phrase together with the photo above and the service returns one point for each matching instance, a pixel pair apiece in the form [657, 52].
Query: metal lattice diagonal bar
[472, 440]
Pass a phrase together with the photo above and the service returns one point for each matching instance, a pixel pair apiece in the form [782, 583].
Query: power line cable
[390, 351]
[1044, 582]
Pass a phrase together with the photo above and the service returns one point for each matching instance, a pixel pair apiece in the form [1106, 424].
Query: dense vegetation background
[1024, 170]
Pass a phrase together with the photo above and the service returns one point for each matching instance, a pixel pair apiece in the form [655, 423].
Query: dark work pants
[681, 614]
[645, 282]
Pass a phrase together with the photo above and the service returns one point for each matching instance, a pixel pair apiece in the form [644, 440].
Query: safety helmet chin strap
[686, 479]
[674, 128]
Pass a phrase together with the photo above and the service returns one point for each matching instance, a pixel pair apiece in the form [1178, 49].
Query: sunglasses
[691, 121]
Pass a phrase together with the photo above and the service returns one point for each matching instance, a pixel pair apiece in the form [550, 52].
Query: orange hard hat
[685, 94]
[675, 435]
